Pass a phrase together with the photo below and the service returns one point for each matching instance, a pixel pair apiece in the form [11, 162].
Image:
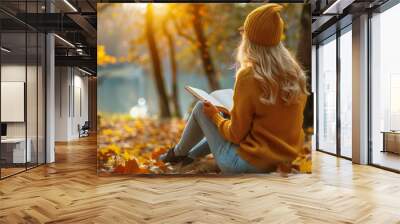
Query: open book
[223, 98]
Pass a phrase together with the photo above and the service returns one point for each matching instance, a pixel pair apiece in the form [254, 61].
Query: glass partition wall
[334, 94]
[22, 78]
[13, 89]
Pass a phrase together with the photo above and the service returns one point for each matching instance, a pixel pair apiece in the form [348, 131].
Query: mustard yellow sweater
[266, 134]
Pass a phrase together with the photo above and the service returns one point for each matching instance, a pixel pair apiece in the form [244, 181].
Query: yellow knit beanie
[264, 25]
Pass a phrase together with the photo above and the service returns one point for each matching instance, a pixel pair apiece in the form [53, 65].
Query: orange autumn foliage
[133, 146]
[103, 58]
[157, 152]
[131, 167]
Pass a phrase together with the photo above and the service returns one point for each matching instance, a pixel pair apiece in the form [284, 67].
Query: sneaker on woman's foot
[170, 157]
[186, 161]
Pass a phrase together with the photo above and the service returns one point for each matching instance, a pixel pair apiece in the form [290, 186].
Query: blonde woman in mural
[264, 128]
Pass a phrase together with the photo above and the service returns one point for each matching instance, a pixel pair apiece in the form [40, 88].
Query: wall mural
[172, 92]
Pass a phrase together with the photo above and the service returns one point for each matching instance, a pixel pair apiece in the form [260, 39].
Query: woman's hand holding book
[209, 109]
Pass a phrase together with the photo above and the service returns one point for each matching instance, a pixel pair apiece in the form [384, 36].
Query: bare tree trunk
[205, 56]
[155, 58]
[174, 69]
[304, 57]
[304, 44]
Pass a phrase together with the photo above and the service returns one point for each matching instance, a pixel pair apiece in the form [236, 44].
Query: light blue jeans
[201, 137]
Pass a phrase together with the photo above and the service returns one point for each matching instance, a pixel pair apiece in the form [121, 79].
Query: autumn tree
[195, 17]
[304, 57]
[191, 39]
[156, 63]
[173, 64]
[208, 65]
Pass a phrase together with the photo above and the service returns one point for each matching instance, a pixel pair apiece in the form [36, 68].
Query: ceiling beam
[77, 61]
[49, 22]
[337, 7]
[84, 24]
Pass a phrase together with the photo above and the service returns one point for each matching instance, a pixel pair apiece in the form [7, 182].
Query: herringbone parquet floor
[69, 191]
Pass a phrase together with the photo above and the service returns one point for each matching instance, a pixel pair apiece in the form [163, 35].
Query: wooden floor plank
[69, 191]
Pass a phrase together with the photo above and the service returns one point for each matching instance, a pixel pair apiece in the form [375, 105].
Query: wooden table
[391, 141]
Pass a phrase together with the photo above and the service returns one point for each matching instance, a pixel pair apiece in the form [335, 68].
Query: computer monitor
[3, 129]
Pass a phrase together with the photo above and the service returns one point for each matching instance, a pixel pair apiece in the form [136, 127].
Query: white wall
[11, 73]
[71, 102]
[16, 73]
[62, 81]
[80, 110]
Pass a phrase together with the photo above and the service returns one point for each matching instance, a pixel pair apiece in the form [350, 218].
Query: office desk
[13, 150]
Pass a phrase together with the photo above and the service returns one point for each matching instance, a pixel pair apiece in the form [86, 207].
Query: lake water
[121, 86]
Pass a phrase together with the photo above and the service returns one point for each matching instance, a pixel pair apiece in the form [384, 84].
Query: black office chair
[84, 130]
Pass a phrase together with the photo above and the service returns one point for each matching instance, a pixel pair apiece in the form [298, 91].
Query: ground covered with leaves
[133, 146]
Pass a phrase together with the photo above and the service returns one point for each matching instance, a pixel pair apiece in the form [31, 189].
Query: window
[346, 93]
[327, 96]
[385, 89]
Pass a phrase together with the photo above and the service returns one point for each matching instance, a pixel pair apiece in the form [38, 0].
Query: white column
[62, 103]
[50, 99]
[360, 90]
[50, 92]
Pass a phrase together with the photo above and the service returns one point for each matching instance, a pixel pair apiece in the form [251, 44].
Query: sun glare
[158, 7]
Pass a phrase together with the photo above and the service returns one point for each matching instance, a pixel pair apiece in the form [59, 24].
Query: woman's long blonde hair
[275, 69]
